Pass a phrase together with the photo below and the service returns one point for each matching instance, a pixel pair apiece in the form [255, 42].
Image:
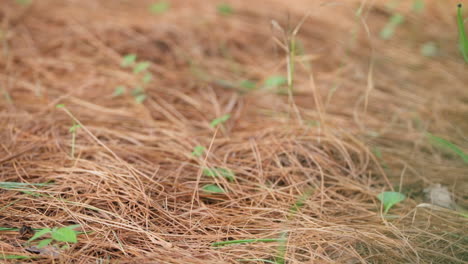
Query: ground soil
[307, 165]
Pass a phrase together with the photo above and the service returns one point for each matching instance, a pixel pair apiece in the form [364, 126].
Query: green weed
[225, 9]
[212, 188]
[198, 151]
[159, 7]
[389, 199]
[56, 235]
[220, 120]
[463, 39]
[447, 145]
[389, 29]
[141, 70]
[219, 172]
[73, 130]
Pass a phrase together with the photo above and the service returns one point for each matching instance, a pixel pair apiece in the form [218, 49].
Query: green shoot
[389, 199]
[248, 85]
[212, 188]
[219, 172]
[141, 66]
[119, 90]
[72, 130]
[389, 29]
[282, 248]
[3, 256]
[63, 234]
[244, 241]
[275, 81]
[429, 49]
[160, 7]
[24, 2]
[220, 120]
[225, 9]
[418, 6]
[21, 185]
[463, 39]
[140, 98]
[445, 144]
[128, 60]
[147, 78]
[198, 151]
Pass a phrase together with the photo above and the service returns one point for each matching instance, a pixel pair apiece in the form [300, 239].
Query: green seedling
[389, 29]
[73, 130]
[418, 6]
[212, 188]
[244, 241]
[198, 151]
[463, 39]
[220, 120]
[429, 49]
[445, 144]
[141, 70]
[225, 9]
[275, 81]
[119, 90]
[248, 85]
[389, 199]
[55, 235]
[23, 2]
[159, 7]
[219, 172]
[2, 256]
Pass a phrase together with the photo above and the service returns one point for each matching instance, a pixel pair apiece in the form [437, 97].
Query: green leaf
[159, 7]
[44, 242]
[463, 39]
[220, 120]
[141, 66]
[2, 256]
[40, 233]
[245, 241]
[276, 81]
[198, 151]
[219, 172]
[249, 85]
[119, 90]
[389, 29]
[128, 60]
[24, 2]
[73, 128]
[140, 98]
[443, 143]
[429, 49]
[389, 199]
[148, 77]
[60, 106]
[212, 188]
[418, 5]
[65, 234]
[225, 9]
[20, 185]
[138, 90]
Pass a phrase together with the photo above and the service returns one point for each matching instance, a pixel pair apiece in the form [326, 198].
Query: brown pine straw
[134, 185]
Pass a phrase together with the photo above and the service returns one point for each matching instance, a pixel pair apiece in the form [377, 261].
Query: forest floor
[271, 124]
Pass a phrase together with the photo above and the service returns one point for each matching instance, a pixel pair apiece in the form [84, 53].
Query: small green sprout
[276, 81]
[248, 85]
[219, 172]
[147, 78]
[463, 38]
[3, 256]
[212, 188]
[389, 199]
[418, 6]
[24, 2]
[225, 9]
[141, 66]
[57, 235]
[140, 98]
[220, 120]
[128, 60]
[159, 7]
[429, 49]
[389, 29]
[73, 130]
[119, 90]
[198, 151]
[445, 144]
